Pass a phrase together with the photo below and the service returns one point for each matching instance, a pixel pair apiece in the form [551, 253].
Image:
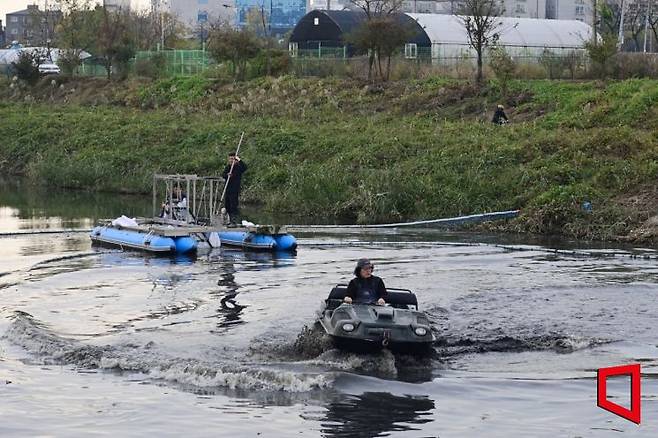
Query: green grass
[339, 150]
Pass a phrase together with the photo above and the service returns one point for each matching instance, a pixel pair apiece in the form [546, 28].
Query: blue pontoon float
[190, 217]
[177, 243]
[259, 238]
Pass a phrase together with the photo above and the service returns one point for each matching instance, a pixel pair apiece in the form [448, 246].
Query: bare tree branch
[482, 23]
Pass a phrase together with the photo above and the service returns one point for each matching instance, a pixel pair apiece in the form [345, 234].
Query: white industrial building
[580, 10]
[518, 36]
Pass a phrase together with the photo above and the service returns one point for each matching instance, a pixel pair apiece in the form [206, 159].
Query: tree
[152, 28]
[376, 34]
[653, 24]
[380, 37]
[41, 25]
[610, 13]
[634, 22]
[601, 52]
[481, 21]
[236, 46]
[115, 44]
[259, 21]
[76, 32]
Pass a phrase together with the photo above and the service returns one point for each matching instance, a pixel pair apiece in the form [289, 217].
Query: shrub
[27, 67]
[153, 67]
[602, 53]
[503, 67]
[574, 61]
[636, 65]
[279, 63]
[530, 71]
[69, 61]
[405, 69]
[320, 67]
[553, 63]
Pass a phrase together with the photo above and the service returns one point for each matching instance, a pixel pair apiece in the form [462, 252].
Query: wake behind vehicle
[398, 326]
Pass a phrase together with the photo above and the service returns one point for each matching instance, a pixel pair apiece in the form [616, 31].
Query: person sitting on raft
[365, 288]
[179, 202]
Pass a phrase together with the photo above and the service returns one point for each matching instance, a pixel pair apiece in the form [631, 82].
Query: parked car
[49, 69]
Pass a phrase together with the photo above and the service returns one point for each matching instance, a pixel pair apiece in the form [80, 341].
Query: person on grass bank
[499, 117]
[365, 288]
[233, 176]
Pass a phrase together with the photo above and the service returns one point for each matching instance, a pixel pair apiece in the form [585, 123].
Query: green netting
[90, 68]
[178, 62]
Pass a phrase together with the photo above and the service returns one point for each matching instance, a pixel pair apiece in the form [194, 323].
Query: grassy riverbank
[334, 149]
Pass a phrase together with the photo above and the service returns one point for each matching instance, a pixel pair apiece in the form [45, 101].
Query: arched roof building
[445, 34]
[517, 35]
[319, 29]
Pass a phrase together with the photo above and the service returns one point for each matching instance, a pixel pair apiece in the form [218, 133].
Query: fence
[420, 62]
[166, 62]
[176, 62]
[91, 68]
[455, 61]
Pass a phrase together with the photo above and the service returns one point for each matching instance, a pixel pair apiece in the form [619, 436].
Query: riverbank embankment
[334, 149]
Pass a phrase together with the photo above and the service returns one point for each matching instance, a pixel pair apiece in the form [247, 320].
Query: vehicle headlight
[420, 331]
[348, 327]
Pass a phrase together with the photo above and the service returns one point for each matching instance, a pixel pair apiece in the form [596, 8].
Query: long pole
[228, 177]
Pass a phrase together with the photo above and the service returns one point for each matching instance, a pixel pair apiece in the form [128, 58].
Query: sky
[8, 6]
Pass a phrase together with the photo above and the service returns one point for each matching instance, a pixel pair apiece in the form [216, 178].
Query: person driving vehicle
[365, 288]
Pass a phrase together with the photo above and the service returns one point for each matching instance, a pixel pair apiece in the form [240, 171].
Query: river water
[99, 342]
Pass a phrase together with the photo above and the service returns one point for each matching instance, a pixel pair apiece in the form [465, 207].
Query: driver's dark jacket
[366, 290]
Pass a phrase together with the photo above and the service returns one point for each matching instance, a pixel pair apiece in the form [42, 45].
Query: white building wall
[525, 8]
[117, 4]
[580, 10]
[328, 5]
[195, 13]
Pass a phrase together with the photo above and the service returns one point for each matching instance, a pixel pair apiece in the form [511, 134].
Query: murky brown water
[105, 342]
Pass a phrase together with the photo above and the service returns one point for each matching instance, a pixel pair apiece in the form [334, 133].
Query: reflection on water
[374, 414]
[228, 314]
[27, 207]
[224, 262]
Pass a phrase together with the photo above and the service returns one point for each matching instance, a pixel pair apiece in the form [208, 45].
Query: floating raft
[172, 238]
[259, 237]
[143, 240]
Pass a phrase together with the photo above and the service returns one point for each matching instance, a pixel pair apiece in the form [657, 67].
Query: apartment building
[550, 9]
[32, 26]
